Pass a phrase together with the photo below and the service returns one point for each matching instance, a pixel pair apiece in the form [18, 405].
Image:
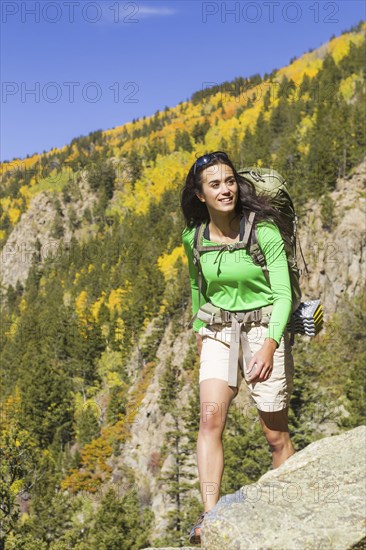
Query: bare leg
[275, 427]
[215, 398]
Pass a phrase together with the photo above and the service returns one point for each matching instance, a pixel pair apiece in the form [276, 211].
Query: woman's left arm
[272, 246]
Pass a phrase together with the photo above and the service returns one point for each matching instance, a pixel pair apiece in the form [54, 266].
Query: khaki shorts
[270, 395]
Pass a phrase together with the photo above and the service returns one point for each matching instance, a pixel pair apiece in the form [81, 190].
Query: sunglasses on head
[206, 159]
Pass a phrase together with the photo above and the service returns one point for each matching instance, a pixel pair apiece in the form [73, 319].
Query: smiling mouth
[226, 200]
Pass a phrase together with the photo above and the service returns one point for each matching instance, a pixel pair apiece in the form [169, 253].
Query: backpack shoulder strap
[257, 254]
[248, 228]
[197, 243]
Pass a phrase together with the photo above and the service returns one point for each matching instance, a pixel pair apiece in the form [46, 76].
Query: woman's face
[219, 188]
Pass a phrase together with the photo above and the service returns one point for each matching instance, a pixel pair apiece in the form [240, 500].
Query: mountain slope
[98, 371]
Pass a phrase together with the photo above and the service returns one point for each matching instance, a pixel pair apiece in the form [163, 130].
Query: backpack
[271, 183]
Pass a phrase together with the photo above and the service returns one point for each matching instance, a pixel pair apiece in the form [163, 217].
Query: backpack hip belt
[241, 322]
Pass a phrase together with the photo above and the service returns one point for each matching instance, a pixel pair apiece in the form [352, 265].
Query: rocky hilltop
[316, 499]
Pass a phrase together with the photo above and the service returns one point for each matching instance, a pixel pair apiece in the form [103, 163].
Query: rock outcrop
[336, 256]
[316, 499]
[36, 223]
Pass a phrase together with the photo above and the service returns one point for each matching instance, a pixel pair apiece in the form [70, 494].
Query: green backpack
[271, 183]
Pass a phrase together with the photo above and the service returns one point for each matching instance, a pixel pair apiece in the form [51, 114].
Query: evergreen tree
[248, 149]
[357, 129]
[279, 122]
[57, 230]
[50, 510]
[262, 140]
[327, 139]
[121, 523]
[183, 141]
[327, 212]
[155, 147]
[235, 150]
[135, 165]
[87, 425]
[176, 481]
[199, 131]
[102, 177]
[18, 455]
[46, 394]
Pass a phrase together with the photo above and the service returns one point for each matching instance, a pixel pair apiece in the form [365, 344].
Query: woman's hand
[199, 343]
[261, 365]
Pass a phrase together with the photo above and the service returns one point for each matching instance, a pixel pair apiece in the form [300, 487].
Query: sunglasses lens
[205, 159]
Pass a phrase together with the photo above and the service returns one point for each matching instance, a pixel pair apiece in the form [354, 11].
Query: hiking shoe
[195, 533]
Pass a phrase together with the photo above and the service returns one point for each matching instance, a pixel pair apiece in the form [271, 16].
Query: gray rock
[336, 259]
[36, 223]
[315, 500]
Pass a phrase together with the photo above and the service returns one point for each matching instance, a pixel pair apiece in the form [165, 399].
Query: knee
[277, 441]
[212, 424]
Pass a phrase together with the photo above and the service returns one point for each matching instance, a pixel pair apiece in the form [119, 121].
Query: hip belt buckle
[225, 316]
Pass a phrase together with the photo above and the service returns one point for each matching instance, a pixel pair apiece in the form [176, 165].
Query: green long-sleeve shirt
[233, 282]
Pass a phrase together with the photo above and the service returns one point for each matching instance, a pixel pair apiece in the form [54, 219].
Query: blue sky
[95, 65]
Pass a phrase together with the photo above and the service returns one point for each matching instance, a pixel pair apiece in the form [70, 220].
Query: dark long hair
[195, 211]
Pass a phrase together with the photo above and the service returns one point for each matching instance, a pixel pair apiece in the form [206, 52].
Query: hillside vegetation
[81, 334]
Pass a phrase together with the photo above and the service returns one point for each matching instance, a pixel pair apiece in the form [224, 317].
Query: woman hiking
[249, 340]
